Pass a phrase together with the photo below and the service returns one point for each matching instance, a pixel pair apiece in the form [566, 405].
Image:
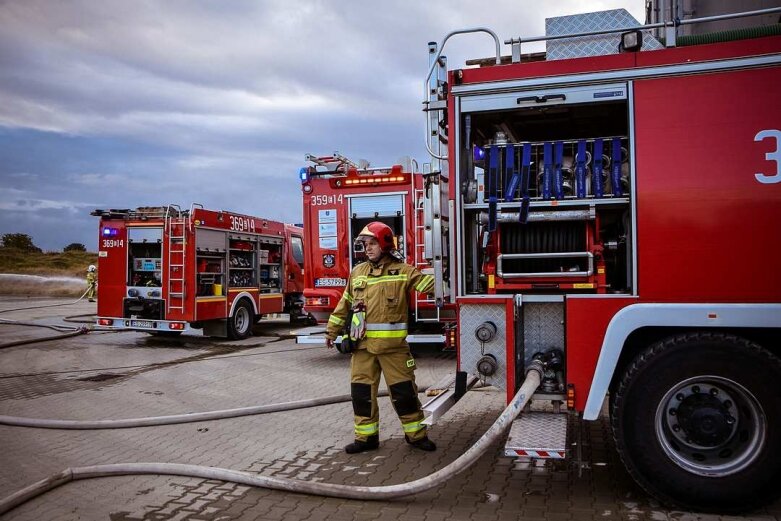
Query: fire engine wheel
[697, 422]
[240, 323]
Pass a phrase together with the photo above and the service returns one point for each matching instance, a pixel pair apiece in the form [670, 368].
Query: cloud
[122, 104]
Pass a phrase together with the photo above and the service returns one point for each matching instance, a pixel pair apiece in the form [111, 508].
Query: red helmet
[380, 231]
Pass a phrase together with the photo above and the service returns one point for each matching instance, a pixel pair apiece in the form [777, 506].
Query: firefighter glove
[358, 322]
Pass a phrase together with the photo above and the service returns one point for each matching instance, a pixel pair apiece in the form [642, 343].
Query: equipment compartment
[241, 263]
[546, 184]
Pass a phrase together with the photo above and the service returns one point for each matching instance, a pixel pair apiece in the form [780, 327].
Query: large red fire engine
[340, 197]
[164, 270]
[616, 214]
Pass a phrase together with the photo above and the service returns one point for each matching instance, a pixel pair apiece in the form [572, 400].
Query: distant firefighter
[92, 282]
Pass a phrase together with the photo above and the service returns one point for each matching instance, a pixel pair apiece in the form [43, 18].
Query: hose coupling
[535, 365]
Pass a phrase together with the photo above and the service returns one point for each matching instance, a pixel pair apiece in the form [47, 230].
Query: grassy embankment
[61, 268]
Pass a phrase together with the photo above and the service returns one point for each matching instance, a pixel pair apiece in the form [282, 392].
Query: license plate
[140, 323]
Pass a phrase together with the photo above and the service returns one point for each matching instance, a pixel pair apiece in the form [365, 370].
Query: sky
[121, 104]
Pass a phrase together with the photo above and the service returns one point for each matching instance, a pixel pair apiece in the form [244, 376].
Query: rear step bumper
[316, 335]
[540, 435]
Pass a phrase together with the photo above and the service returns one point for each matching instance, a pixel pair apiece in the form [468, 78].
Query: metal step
[317, 337]
[540, 435]
[418, 338]
[445, 399]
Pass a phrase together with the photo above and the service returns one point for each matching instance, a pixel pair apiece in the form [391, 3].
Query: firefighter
[376, 301]
[92, 282]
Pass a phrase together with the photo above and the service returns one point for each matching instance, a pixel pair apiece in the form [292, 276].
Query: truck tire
[240, 323]
[697, 422]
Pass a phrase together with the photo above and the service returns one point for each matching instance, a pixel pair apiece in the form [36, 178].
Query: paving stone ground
[127, 375]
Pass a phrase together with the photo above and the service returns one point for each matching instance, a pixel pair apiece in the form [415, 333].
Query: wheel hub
[705, 420]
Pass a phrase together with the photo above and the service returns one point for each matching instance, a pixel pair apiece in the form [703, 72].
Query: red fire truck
[164, 270]
[617, 215]
[340, 197]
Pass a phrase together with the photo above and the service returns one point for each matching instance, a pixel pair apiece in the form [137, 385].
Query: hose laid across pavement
[47, 305]
[80, 331]
[127, 423]
[502, 423]
[55, 327]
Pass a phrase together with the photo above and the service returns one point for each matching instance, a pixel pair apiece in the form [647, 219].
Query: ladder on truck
[436, 210]
[175, 227]
[419, 257]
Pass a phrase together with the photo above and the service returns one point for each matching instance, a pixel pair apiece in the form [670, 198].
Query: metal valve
[486, 332]
[487, 365]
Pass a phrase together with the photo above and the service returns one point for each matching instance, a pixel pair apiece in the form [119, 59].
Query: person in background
[92, 282]
[375, 298]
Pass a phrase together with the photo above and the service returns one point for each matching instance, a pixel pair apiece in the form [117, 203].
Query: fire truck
[612, 208]
[340, 197]
[164, 270]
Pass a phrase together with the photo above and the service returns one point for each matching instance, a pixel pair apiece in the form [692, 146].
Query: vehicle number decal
[113, 243]
[770, 156]
[322, 200]
[242, 224]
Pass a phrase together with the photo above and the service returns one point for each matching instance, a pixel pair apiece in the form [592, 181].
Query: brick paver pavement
[125, 375]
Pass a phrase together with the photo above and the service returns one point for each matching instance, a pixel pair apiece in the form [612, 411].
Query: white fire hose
[533, 377]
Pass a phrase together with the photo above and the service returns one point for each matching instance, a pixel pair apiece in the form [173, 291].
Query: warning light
[109, 232]
[317, 301]
[303, 174]
[375, 179]
[570, 396]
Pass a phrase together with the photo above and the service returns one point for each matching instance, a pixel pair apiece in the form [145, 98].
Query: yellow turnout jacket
[383, 288]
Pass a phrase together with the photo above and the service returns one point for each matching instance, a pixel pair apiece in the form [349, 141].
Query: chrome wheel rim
[711, 426]
[241, 320]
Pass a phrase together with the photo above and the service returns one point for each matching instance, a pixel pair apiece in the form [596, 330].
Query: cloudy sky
[120, 104]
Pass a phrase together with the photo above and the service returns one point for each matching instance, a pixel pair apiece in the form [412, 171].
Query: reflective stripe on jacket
[384, 289]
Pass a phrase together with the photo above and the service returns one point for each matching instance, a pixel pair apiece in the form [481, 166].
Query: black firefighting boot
[422, 444]
[372, 443]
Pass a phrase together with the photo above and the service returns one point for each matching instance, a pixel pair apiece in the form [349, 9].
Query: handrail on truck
[670, 37]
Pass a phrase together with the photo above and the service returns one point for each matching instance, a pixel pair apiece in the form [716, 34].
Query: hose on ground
[502, 423]
[55, 327]
[128, 423]
[80, 331]
[47, 305]
[178, 361]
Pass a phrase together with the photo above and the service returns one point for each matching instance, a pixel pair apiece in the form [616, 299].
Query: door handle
[541, 99]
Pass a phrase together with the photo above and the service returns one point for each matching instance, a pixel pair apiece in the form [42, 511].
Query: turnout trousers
[399, 370]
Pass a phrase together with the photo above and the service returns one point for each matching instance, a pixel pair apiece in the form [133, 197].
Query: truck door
[295, 264]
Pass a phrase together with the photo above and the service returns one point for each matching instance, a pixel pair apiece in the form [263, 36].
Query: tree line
[23, 242]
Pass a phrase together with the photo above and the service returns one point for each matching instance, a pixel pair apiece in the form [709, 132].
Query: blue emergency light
[303, 174]
[109, 232]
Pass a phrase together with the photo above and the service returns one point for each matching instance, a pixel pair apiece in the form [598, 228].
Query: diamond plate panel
[470, 317]
[597, 45]
[543, 328]
[538, 431]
